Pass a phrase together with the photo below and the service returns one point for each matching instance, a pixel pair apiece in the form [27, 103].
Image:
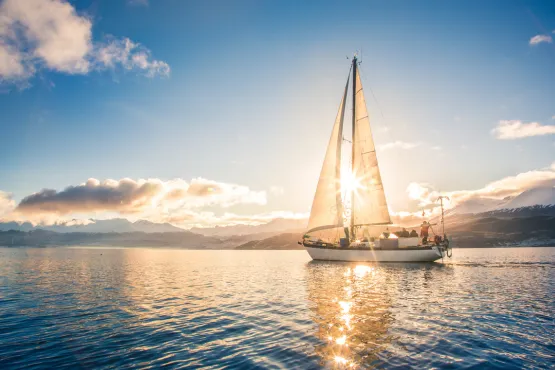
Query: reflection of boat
[364, 204]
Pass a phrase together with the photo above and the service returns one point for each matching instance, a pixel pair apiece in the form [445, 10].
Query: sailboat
[345, 207]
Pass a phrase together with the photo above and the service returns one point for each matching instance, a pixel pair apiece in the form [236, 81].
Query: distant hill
[488, 229]
[502, 231]
[473, 231]
[279, 225]
[182, 239]
[522, 212]
[281, 242]
[527, 219]
[116, 225]
[122, 225]
[543, 196]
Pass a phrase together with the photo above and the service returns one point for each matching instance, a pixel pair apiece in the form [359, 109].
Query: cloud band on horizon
[188, 204]
[130, 197]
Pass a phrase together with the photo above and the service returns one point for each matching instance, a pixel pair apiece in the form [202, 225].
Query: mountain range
[278, 225]
[536, 197]
[526, 218]
[122, 225]
[115, 225]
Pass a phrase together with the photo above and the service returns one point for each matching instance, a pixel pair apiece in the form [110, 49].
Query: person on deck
[413, 234]
[365, 234]
[424, 228]
[404, 233]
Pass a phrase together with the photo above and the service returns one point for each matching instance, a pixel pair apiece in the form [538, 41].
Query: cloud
[145, 197]
[7, 204]
[201, 202]
[276, 190]
[175, 201]
[189, 218]
[11, 63]
[49, 34]
[538, 39]
[515, 129]
[47, 30]
[489, 195]
[436, 148]
[125, 196]
[129, 55]
[399, 144]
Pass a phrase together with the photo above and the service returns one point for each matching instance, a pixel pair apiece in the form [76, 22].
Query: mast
[442, 214]
[353, 234]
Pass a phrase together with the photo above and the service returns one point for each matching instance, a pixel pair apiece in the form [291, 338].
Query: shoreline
[233, 249]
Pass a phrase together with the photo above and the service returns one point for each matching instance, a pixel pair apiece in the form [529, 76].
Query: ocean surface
[148, 308]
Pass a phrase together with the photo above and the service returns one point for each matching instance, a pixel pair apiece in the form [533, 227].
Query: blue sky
[252, 90]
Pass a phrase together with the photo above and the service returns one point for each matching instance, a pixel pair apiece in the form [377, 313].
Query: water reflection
[349, 302]
[272, 309]
[354, 306]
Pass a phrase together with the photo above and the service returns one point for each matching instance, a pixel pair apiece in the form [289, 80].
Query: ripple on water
[69, 308]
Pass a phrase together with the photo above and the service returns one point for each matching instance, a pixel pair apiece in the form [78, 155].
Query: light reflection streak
[352, 309]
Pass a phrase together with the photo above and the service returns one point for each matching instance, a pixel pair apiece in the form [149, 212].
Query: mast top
[355, 57]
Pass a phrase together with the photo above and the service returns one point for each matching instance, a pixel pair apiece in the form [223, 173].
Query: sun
[349, 182]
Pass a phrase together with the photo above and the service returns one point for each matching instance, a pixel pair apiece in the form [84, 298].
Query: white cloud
[399, 144]
[538, 39]
[141, 198]
[276, 190]
[202, 202]
[11, 63]
[437, 148]
[515, 129]
[50, 34]
[128, 55]
[189, 218]
[49, 31]
[7, 204]
[490, 194]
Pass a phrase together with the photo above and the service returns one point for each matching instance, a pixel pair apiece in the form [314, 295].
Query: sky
[219, 112]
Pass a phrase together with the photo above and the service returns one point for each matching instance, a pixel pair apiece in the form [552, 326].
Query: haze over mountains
[528, 219]
[115, 225]
[536, 197]
[122, 225]
[277, 225]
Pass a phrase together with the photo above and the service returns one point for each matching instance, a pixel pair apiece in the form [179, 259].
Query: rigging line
[372, 91]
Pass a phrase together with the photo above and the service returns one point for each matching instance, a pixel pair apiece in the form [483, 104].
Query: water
[130, 308]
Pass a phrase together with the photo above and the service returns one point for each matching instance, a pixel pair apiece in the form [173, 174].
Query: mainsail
[368, 206]
[327, 207]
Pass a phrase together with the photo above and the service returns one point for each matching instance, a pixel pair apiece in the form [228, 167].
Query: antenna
[441, 197]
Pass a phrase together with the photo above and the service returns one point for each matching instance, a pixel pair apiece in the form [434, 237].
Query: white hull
[371, 255]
